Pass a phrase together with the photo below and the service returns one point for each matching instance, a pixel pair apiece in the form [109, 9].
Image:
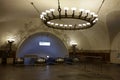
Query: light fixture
[48, 56]
[50, 18]
[73, 43]
[10, 40]
[42, 43]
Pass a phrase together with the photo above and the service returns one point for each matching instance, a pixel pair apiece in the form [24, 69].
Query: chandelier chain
[35, 7]
[59, 9]
[100, 6]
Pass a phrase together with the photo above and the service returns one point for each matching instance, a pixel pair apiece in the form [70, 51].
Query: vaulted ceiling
[18, 16]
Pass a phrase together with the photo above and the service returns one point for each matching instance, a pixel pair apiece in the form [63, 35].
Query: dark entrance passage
[30, 59]
[42, 45]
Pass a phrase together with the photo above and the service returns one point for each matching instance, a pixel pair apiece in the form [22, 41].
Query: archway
[42, 44]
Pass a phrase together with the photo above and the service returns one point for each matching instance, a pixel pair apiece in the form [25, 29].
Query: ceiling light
[49, 16]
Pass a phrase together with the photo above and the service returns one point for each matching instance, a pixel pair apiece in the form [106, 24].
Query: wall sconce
[10, 42]
[73, 43]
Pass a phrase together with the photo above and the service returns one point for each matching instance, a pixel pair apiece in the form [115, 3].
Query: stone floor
[61, 72]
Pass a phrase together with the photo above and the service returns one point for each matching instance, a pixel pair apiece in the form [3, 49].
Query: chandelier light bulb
[66, 8]
[52, 10]
[48, 22]
[56, 24]
[61, 24]
[80, 25]
[73, 8]
[47, 11]
[52, 23]
[43, 13]
[92, 13]
[84, 25]
[41, 16]
[88, 23]
[87, 11]
[70, 25]
[65, 25]
[95, 15]
[96, 19]
[81, 10]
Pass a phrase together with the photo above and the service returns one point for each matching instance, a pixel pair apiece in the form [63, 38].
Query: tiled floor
[61, 72]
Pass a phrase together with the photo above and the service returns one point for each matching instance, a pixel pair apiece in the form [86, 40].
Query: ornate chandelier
[49, 17]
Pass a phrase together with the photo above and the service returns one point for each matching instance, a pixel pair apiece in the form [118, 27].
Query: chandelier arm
[86, 16]
[66, 13]
[48, 16]
[80, 14]
[53, 14]
[73, 14]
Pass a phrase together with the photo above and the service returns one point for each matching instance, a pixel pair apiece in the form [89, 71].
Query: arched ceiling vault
[15, 14]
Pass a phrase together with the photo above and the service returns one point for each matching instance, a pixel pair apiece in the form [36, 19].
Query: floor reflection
[59, 72]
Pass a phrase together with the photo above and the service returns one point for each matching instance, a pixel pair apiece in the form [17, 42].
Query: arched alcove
[113, 23]
[115, 49]
[31, 46]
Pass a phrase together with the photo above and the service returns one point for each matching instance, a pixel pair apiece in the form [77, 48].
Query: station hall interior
[60, 39]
